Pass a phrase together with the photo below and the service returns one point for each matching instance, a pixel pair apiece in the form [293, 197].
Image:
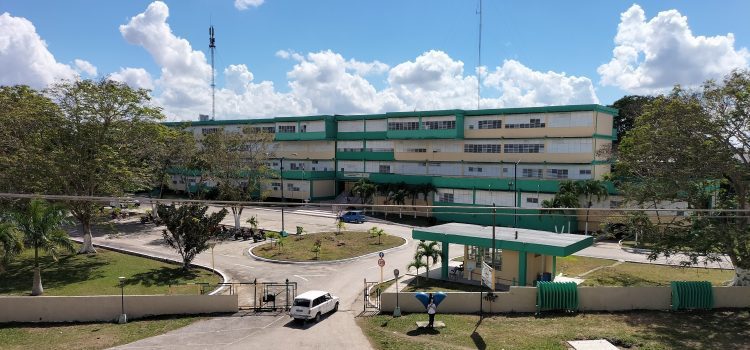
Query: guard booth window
[485, 254]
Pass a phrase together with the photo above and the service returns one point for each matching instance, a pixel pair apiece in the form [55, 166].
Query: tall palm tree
[41, 224]
[417, 264]
[591, 189]
[427, 189]
[364, 189]
[567, 196]
[429, 250]
[11, 243]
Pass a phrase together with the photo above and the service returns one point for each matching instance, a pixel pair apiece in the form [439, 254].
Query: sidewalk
[607, 250]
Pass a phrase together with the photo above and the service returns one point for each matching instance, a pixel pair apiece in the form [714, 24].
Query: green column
[554, 267]
[522, 268]
[444, 259]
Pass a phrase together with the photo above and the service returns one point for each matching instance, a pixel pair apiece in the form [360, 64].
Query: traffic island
[325, 246]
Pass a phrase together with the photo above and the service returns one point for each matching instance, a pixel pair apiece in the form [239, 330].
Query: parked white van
[313, 304]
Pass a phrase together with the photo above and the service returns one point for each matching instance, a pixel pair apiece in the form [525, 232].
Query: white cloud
[653, 55]
[245, 4]
[83, 66]
[522, 86]
[325, 82]
[24, 57]
[237, 77]
[135, 77]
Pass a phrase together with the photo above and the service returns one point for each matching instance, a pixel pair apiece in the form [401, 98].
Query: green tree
[11, 243]
[689, 147]
[429, 250]
[173, 153]
[590, 189]
[377, 232]
[189, 229]
[364, 189]
[317, 248]
[30, 136]
[417, 264]
[106, 137]
[236, 161]
[253, 221]
[426, 189]
[629, 108]
[567, 196]
[42, 226]
[340, 225]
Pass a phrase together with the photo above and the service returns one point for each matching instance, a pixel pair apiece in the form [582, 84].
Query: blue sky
[406, 54]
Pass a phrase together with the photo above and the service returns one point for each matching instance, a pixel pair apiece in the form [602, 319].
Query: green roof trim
[546, 109]
[518, 239]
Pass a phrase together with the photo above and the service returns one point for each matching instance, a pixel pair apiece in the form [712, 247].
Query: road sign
[487, 275]
[381, 262]
[395, 273]
[381, 255]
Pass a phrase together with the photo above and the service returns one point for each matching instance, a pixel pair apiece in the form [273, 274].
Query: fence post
[286, 300]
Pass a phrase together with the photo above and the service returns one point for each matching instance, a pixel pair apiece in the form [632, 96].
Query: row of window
[524, 148]
[440, 125]
[471, 148]
[403, 125]
[533, 123]
[287, 128]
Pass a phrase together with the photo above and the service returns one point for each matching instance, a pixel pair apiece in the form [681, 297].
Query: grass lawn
[383, 286]
[85, 335]
[433, 285]
[641, 330]
[97, 274]
[635, 274]
[348, 244]
[572, 265]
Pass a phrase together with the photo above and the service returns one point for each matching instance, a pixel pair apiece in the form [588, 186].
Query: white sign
[356, 174]
[487, 275]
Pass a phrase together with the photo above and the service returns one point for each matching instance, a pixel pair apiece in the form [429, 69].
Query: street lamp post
[123, 317]
[283, 199]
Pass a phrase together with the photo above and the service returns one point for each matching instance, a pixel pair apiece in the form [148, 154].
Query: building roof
[532, 241]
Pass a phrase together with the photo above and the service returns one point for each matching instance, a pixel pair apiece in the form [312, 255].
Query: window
[446, 197]
[475, 169]
[533, 123]
[532, 173]
[490, 124]
[403, 125]
[584, 172]
[557, 173]
[303, 128]
[440, 125]
[469, 148]
[348, 149]
[524, 148]
[287, 129]
[417, 150]
[268, 129]
[384, 169]
[533, 200]
[207, 131]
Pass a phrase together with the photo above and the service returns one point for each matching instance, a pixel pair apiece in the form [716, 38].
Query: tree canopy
[693, 147]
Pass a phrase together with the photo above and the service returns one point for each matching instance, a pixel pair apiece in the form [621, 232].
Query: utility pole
[479, 59]
[212, 47]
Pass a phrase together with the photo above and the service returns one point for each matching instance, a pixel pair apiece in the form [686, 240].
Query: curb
[250, 253]
[221, 273]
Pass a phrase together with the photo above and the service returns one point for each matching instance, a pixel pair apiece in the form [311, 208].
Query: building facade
[474, 158]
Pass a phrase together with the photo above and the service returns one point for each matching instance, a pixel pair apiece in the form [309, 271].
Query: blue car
[354, 216]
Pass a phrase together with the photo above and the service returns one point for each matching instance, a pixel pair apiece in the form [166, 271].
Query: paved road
[336, 331]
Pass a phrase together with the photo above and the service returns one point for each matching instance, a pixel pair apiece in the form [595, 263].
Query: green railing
[692, 295]
[556, 296]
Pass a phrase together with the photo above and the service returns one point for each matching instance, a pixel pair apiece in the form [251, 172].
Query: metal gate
[371, 296]
[261, 296]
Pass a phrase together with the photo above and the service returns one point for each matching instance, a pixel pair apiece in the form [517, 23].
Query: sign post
[397, 310]
[381, 263]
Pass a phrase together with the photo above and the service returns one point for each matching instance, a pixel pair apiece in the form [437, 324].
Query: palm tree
[427, 189]
[429, 250]
[253, 221]
[566, 197]
[41, 224]
[377, 231]
[364, 189]
[417, 264]
[11, 243]
[589, 189]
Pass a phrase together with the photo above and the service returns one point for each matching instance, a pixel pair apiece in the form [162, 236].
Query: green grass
[71, 336]
[348, 244]
[432, 285]
[635, 274]
[641, 330]
[97, 274]
[572, 266]
[383, 286]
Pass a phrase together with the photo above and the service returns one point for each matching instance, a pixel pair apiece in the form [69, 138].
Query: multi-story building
[475, 158]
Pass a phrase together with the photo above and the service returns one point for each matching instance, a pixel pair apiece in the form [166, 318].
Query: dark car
[354, 216]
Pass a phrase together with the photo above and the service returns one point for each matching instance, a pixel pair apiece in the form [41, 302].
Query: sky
[282, 57]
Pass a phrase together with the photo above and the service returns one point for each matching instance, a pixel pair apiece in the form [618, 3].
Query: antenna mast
[479, 59]
[212, 47]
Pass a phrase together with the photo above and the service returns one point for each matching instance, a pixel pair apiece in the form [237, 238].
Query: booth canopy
[532, 241]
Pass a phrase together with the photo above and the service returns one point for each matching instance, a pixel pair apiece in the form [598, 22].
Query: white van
[313, 304]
